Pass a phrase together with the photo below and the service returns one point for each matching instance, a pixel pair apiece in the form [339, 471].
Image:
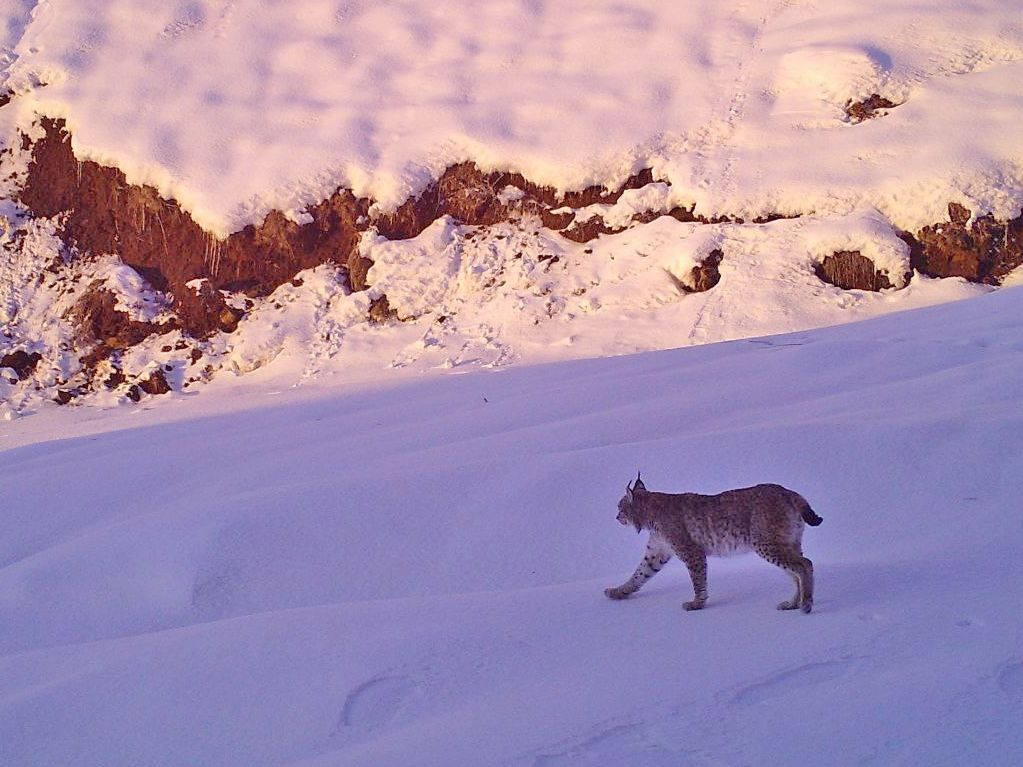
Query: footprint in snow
[1010, 680]
[620, 745]
[785, 682]
[375, 703]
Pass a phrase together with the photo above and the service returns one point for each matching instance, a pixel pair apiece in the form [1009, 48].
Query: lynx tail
[809, 516]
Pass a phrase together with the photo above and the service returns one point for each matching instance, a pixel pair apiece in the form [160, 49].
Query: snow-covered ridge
[238, 108]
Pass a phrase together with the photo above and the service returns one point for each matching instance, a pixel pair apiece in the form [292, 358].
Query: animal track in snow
[375, 703]
[1010, 680]
[623, 744]
[793, 679]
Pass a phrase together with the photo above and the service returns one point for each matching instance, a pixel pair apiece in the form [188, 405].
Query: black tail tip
[811, 518]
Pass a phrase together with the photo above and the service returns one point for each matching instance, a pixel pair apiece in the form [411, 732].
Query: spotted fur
[767, 519]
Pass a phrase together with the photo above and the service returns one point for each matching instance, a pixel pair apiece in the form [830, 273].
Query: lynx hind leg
[656, 556]
[791, 560]
[807, 600]
[797, 598]
[696, 562]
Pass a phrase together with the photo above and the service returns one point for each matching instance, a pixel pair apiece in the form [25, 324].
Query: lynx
[767, 519]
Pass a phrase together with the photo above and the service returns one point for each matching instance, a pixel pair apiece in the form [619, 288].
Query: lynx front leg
[656, 556]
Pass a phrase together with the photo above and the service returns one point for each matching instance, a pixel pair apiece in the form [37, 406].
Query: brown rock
[866, 109]
[592, 195]
[115, 379]
[21, 362]
[472, 197]
[380, 310]
[706, 275]
[589, 230]
[64, 396]
[98, 319]
[984, 251]
[156, 383]
[555, 221]
[851, 270]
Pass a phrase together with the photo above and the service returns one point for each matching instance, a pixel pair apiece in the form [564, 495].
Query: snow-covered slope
[238, 107]
[412, 574]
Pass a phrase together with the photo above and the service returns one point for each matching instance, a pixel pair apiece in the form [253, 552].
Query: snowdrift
[412, 574]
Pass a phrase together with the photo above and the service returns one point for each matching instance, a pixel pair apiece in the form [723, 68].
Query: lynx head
[630, 506]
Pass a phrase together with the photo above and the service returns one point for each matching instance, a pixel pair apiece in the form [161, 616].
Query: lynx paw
[788, 605]
[616, 593]
[807, 607]
[696, 604]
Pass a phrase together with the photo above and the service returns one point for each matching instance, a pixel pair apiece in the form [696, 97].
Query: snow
[464, 297]
[517, 293]
[133, 295]
[350, 555]
[238, 107]
[412, 573]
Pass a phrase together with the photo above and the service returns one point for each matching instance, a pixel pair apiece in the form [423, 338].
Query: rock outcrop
[982, 250]
[206, 280]
[706, 275]
[851, 270]
[99, 319]
[102, 213]
[21, 362]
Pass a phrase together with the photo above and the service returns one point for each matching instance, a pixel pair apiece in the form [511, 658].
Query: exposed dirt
[589, 230]
[851, 270]
[985, 250]
[105, 214]
[473, 197]
[98, 319]
[868, 108]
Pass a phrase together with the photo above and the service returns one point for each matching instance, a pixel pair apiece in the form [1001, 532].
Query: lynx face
[623, 511]
[627, 509]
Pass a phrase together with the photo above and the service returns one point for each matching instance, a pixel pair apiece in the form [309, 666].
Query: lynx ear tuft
[638, 484]
[628, 493]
